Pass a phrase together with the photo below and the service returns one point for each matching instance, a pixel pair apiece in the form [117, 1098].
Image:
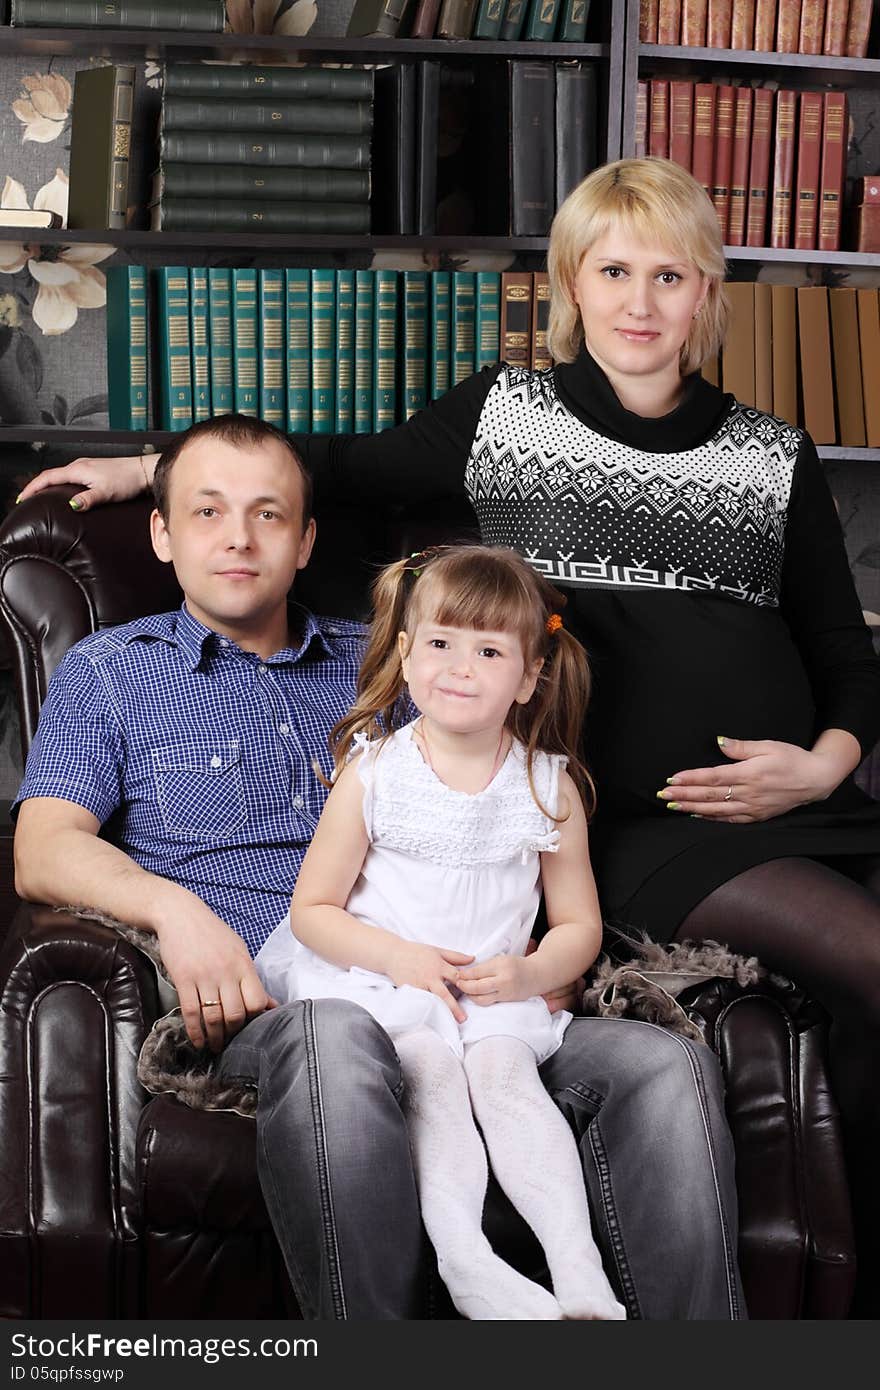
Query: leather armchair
[115, 1204]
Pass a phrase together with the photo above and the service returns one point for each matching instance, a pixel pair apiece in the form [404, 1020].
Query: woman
[736, 688]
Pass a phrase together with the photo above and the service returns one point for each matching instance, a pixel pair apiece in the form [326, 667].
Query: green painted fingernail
[672, 805]
[670, 781]
[660, 794]
[721, 740]
[18, 499]
[75, 504]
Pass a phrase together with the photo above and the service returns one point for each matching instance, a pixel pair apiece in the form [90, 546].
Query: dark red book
[765, 26]
[858, 27]
[693, 23]
[867, 189]
[812, 26]
[783, 168]
[722, 164]
[658, 126]
[739, 174]
[835, 138]
[425, 19]
[834, 38]
[642, 105]
[742, 24]
[649, 14]
[669, 22]
[718, 23]
[809, 146]
[702, 160]
[681, 122]
[788, 26]
[759, 168]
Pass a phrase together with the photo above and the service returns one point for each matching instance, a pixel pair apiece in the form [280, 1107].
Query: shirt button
[333, 632]
[284, 728]
[298, 802]
[216, 761]
[262, 670]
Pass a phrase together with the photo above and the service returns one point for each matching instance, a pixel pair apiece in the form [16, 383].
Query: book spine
[440, 320]
[575, 125]
[415, 342]
[323, 286]
[742, 25]
[812, 26]
[694, 14]
[809, 143]
[120, 154]
[739, 173]
[869, 347]
[858, 28]
[428, 114]
[487, 331]
[541, 360]
[301, 151]
[643, 99]
[222, 215]
[723, 161]
[783, 169]
[463, 325]
[220, 339]
[298, 311]
[835, 126]
[765, 26]
[718, 23]
[364, 316]
[516, 318]
[200, 16]
[573, 21]
[649, 18]
[738, 353]
[198, 337]
[456, 20]
[669, 22]
[241, 81]
[759, 168]
[273, 406]
[264, 184]
[425, 20]
[834, 38]
[847, 366]
[385, 351]
[704, 134]
[513, 21]
[541, 20]
[128, 400]
[220, 116]
[788, 24]
[681, 123]
[100, 148]
[245, 384]
[817, 387]
[763, 349]
[375, 18]
[658, 130]
[533, 147]
[487, 24]
[344, 352]
[784, 344]
[175, 375]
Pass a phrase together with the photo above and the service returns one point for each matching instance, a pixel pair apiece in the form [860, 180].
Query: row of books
[326, 351]
[198, 16]
[545, 21]
[283, 150]
[773, 163]
[839, 28]
[810, 355]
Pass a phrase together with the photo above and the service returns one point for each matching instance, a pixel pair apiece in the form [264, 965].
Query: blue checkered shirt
[196, 756]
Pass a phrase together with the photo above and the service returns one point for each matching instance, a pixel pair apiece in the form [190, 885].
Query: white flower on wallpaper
[263, 17]
[52, 197]
[66, 278]
[44, 108]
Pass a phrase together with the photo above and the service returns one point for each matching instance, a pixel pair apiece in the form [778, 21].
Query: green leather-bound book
[245, 378]
[385, 351]
[100, 139]
[573, 21]
[127, 347]
[441, 282]
[299, 352]
[323, 351]
[202, 16]
[541, 20]
[301, 151]
[364, 315]
[198, 339]
[173, 349]
[261, 183]
[273, 406]
[463, 321]
[415, 342]
[487, 333]
[514, 19]
[344, 352]
[236, 81]
[220, 339]
[488, 22]
[263, 118]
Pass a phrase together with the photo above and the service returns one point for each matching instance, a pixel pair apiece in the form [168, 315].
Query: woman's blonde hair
[492, 589]
[658, 202]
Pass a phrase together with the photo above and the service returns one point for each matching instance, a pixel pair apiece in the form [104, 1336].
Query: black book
[576, 143]
[243, 81]
[532, 147]
[428, 103]
[394, 150]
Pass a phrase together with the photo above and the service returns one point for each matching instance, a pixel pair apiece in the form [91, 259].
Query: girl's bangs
[476, 596]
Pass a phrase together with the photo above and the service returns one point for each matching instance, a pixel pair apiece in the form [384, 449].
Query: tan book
[817, 383]
[742, 24]
[858, 27]
[738, 354]
[765, 26]
[763, 348]
[788, 25]
[784, 348]
[669, 22]
[834, 39]
[693, 23]
[869, 348]
[847, 367]
[812, 26]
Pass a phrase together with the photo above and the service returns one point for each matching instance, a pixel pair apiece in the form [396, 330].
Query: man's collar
[199, 643]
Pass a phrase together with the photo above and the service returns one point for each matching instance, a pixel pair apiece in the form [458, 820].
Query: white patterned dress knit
[445, 868]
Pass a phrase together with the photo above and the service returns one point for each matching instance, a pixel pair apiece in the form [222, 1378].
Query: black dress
[706, 575]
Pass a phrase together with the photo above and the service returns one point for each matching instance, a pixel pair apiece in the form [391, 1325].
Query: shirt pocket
[200, 788]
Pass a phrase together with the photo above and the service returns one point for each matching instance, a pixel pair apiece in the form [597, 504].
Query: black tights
[820, 925]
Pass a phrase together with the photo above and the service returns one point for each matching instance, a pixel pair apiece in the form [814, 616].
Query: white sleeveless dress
[445, 868]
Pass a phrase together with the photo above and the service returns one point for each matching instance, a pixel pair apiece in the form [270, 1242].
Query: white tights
[533, 1156]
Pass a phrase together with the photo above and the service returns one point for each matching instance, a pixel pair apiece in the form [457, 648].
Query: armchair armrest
[76, 1002]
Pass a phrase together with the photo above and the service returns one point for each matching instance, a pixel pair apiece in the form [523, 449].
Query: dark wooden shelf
[799, 67]
[184, 46]
[770, 255]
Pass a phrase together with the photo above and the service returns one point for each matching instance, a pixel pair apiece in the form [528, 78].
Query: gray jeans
[334, 1162]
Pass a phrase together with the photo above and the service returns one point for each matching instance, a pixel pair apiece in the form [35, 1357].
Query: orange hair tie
[554, 623]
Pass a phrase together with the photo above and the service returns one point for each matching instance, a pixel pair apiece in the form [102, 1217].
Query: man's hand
[430, 968]
[105, 480]
[219, 989]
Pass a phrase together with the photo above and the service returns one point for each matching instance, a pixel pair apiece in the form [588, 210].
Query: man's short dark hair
[242, 431]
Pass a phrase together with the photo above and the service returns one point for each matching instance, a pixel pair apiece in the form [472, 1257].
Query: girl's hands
[105, 480]
[768, 778]
[429, 968]
[500, 980]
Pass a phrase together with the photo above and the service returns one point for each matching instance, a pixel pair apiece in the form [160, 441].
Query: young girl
[418, 895]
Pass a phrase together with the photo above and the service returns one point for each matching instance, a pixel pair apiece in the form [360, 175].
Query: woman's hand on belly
[764, 779]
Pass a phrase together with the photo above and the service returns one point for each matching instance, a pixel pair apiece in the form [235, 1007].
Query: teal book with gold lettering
[385, 351]
[463, 324]
[245, 375]
[541, 20]
[514, 19]
[273, 404]
[487, 331]
[220, 339]
[344, 352]
[198, 342]
[323, 283]
[573, 20]
[440, 369]
[297, 285]
[364, 314]
[415, 342]
[127, 353]
[173, 348]
[487, 25]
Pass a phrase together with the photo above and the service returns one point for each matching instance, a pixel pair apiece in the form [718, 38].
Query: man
[171, 785]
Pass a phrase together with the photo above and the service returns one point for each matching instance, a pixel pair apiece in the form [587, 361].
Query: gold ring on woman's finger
[728, 795]
[209, 1003]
